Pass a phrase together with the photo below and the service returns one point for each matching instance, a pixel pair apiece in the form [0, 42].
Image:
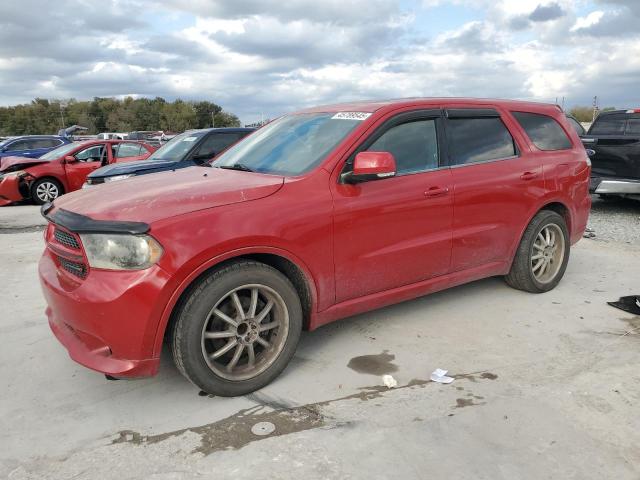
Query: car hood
[155, 197]
[127, 168]
[8, 164]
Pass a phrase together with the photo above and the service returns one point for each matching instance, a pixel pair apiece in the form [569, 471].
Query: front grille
[66, 239]
[77, 269]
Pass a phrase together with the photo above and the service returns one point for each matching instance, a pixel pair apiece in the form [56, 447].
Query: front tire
[45, 190]
[543, 254]
[237, 329]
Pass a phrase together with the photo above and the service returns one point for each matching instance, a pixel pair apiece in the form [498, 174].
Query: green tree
[45, 116]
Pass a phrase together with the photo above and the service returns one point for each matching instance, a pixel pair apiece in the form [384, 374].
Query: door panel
[391, 232]
[87, 161]
[496, 183]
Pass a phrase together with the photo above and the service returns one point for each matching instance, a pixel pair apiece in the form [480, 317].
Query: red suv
[62, 170]
[319, 215]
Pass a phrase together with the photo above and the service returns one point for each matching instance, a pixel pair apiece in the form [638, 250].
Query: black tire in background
[525, 270]
[200, 331]
[46, 190]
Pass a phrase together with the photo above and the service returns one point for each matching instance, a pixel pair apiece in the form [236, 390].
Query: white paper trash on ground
[440, 376]
[389, 381]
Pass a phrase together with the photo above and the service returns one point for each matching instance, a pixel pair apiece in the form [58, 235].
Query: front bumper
[10, 190]
[108, 320]
[614, 186]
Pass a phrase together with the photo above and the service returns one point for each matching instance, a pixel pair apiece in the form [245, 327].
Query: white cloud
[268, 56]
[585, 22]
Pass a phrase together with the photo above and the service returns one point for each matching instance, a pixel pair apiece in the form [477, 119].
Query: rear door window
[544, 131]
[609, 124]
[414, 146]
[481, 139]
[125, 150]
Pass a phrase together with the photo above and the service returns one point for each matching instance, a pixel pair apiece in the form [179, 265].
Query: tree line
[43, 116]
[585, 114]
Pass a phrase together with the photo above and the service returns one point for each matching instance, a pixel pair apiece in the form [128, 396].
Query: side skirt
[408, 292]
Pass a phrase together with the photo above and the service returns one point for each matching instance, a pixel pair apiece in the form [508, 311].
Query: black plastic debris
[589, 233]
[629, 304]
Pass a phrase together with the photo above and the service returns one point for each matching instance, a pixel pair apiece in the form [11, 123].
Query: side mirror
[369, 166]
[70, 159]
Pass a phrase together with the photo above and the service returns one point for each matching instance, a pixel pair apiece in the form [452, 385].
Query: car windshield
[177, 148]
[291, 145]
[59, 152]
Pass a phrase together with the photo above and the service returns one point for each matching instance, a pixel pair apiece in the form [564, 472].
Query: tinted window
[544, 131]
[577, 126]
[21, 145]
[91, 154]
[128, 150]
[46, 143]
[633, 126]
[215, 143]
[609, 124]
[473, 140]
[414, 146]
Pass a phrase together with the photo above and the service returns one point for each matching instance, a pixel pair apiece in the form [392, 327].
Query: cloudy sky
[266, 57]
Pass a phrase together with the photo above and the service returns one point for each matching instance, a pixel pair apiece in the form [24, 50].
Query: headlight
[115, 178]
[121, 252]
[17, 173]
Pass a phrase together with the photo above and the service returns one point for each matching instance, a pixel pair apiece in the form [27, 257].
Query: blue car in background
[31, 146]
[191, 148]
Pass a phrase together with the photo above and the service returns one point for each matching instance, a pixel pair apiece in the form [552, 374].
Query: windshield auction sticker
[351, 116]
[190, 139]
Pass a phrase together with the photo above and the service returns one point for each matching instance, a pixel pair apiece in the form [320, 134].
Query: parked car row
[74, 165]
[321, 214]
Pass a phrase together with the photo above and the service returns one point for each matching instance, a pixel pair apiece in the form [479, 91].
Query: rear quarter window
[544, 131]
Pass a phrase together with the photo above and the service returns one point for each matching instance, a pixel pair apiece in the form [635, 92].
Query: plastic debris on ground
[629, 304]
[389, 381]
[589, 233]
[439, 375]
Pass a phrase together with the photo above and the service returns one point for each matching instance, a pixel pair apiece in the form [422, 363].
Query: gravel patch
[615, 220]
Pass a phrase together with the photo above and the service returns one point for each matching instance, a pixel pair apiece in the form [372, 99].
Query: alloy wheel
[245, 332]
[547, 253]
[47, 191]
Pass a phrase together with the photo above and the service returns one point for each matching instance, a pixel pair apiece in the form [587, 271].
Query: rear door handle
[529, 175]
[436, 192]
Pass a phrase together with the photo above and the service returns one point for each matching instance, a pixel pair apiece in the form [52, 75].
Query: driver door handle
[436, 192]
[529, 175]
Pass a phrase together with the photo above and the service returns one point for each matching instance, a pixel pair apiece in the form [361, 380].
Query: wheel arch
[554, 205]
[287, 264]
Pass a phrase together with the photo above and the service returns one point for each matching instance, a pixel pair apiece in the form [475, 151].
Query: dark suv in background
[191, 148]
[31, 146]
[613, 143]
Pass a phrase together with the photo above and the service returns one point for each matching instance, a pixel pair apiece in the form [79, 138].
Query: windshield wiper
[236, 166]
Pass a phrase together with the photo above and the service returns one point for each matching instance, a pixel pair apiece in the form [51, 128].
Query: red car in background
[62, 170]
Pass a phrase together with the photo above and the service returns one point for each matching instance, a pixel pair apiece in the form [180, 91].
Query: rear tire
[237, 329]
[543, 254]
[46, 190]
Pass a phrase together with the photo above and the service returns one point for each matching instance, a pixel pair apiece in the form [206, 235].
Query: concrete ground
[546, 386]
